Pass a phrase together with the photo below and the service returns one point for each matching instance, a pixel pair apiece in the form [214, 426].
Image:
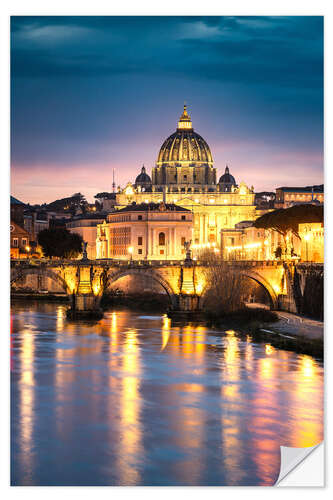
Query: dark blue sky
[90, 94]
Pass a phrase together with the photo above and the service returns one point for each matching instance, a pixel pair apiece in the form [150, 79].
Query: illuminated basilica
[184, 174]
[184, 177]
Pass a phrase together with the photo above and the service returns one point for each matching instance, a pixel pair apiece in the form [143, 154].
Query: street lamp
[130, 251]
[27, 250]
[307, 237]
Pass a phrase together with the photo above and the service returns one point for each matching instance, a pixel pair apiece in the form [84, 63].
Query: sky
[93, 94]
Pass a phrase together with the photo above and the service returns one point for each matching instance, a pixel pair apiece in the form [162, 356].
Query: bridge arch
[265, 284]
[258, 279]
[113, 277]
[44, 272]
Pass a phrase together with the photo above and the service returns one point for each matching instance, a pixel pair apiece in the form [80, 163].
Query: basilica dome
[227, 180]
[143, 178]
[185, 147]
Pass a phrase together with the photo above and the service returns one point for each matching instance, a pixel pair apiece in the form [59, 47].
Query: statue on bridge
[188, 252]
[84, 253]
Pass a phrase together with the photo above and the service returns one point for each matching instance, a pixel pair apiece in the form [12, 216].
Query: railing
[147, 263]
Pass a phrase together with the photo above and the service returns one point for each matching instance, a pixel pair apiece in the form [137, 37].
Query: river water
[134, 400]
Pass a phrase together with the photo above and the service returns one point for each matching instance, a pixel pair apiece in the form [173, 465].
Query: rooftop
[15, 201]
[306, 189]
[149, 207]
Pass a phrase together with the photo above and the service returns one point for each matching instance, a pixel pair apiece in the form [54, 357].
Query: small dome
[227, 180]
[185, 146]
[143, 178]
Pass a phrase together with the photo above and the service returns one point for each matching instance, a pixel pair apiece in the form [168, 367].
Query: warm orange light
[307, 236]
[27, 248]
[130, 249]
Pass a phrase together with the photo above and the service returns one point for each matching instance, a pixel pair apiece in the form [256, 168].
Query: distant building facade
[289, 196]
[312, 241]
[146, 231]
[19, 241]
[17, 208]
[86, 226]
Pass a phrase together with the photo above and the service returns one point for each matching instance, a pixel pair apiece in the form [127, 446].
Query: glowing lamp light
[266, 242]
[27, 248]
[211, 200]
[130, 250]
[276, 288]
[269, 349]
[146, 201]
[196, 200]
[129, 191]
[307, 237]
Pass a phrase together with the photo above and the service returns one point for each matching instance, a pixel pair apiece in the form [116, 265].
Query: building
[35, 221]
[244, 242]
[147, 231]
[289, 196]
[184, 175]
[19, 241]
[312, 241]
[86, 226]
[17, 211]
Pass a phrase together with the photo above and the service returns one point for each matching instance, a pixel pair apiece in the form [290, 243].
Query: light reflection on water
[133, 400]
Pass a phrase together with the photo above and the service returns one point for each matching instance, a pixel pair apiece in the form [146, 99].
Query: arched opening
[257, 295]
[35, 281]
[161, 239]
[251, 289]
[139, 289]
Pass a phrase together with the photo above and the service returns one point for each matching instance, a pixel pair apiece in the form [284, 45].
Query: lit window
[15, 242]
[161, 251]
[161, 239]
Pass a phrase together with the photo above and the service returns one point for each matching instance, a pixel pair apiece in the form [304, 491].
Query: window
[139, 240]
[161, 239]
[161, 251]
[139, 217]
[196, 241]
[185, 177]
[183, 217]
[15, 242]
[140, 251]
[183, 241]
[24, 242]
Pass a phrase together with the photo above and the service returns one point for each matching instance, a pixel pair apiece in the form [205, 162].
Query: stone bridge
[184, 282]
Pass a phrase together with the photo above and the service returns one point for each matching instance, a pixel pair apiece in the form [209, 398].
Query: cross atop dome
[185, 120]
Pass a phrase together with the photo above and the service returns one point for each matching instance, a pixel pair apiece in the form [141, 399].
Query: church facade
[185, 175]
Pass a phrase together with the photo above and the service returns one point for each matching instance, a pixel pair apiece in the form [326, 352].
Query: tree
[60, 243]
[286, 220]
[227, 287]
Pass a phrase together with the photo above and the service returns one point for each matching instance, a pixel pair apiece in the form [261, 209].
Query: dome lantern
[185, 120]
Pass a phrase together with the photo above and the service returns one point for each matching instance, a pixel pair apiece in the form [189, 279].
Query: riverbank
[295, 332]
[50, 297]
